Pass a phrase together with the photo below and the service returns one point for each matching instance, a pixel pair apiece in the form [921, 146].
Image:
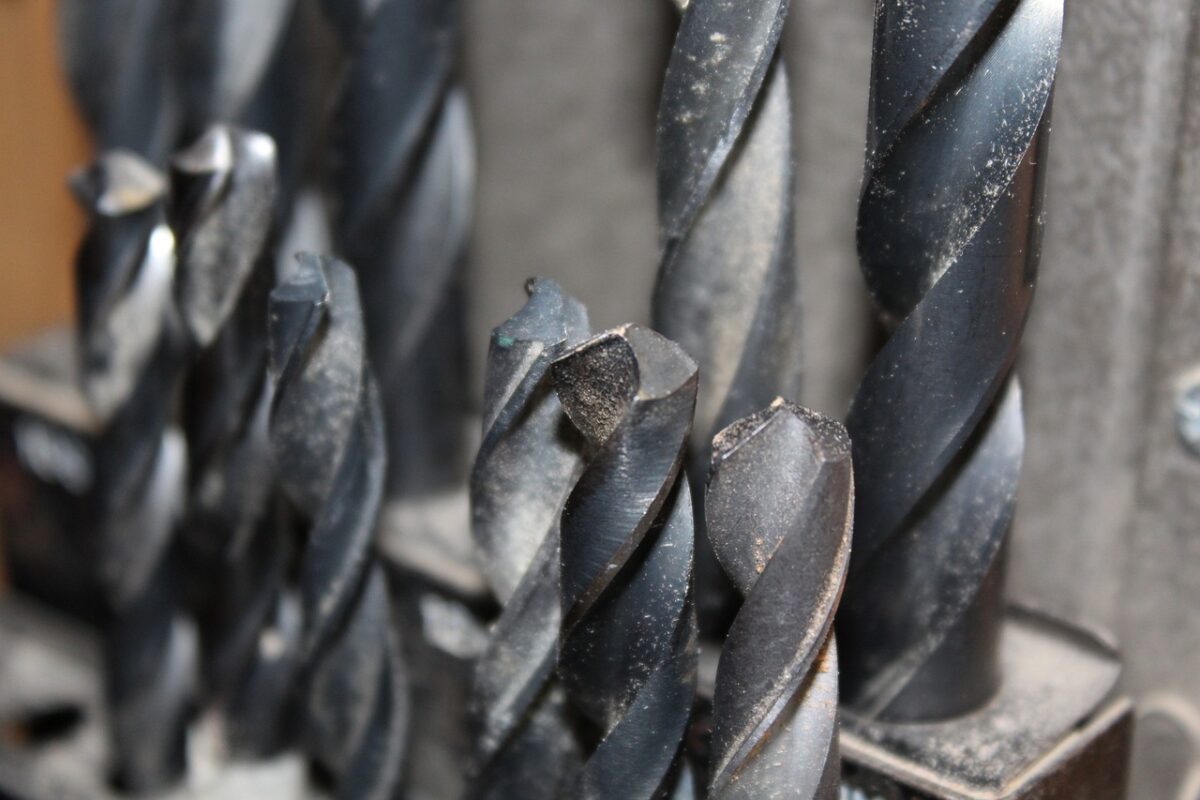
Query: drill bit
[779, 505]
[239, 67]
[726, 279]
[225, 188]
[133, 350]
[327, 445]
[949, 235]
[627, 651]
[404, 173]
[527, 463]
[119, 60]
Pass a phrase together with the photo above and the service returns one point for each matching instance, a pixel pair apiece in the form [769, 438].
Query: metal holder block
[1056, 730]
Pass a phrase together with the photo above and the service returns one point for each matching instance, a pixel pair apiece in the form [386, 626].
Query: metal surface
[327, 445]
[949, 234]
[726, 279]
[627, 652]
[779, 506]
[527, 463]
[403, 164]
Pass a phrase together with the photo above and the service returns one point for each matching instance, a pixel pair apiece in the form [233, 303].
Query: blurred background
[563, 94]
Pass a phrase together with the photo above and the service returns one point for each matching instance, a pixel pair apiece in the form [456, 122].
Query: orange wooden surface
[41, 140]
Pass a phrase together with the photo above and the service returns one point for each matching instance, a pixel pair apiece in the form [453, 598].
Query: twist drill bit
[949, 233]
[224, 204]
[238, 66]
[327, 444]
[404, 174]
[134, 348]
[527, 463]
[779, 505]
[726, 279]
[119, 60]
[627, 651]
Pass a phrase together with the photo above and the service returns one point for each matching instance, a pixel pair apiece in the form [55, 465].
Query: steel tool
[726, 279]
[779, 505]
[627, 652]
[528, 461]
[327, 445]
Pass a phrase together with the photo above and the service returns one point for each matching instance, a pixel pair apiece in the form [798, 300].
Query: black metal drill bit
[779, 505]
[527, 463]
[949, 234]
[134, 349]
[225, 188]
[726, 279]
[327, 443]
[627, 652]
[404, 173]
[239, 64]
[120, 62]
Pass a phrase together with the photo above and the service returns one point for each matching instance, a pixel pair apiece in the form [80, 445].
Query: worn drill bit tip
[627, 654]
[779, 508]
[118, 182]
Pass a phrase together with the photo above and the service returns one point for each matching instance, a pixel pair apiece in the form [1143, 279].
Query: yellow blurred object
[41, 141]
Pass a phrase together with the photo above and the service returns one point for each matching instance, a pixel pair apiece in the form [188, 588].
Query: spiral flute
[726, 281]
[404, 174]
[527, 463]
[327, 446]
[949, 234]
[627, 651]
[779, 506]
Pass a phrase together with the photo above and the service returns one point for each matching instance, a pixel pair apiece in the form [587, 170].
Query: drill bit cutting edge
[949, 236]
[779, 504]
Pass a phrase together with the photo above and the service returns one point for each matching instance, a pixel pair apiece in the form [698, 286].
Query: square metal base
[1054, 731]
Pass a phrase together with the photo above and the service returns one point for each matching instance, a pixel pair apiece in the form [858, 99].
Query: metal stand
[1056, 730]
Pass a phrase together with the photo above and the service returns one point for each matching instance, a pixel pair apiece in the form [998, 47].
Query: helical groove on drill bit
[403, 176]
[726, 282]
[779, 506]
[627, 652]
[327, 444]
[528, 461]
[133, 350]
[949, 234]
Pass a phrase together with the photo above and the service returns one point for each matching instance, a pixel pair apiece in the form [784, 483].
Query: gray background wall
[1107, 531]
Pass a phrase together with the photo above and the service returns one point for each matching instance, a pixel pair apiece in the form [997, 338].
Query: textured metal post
[949, 233]
[527, 463]
[404, 172]
[779, 506]
[327, 445]
[627, 653]
[726, 279]
[119, 59]
[134, 350]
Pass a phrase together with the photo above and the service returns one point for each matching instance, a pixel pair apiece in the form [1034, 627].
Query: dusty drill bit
[327, 443]
[527, 463]
[404, 173]
[949, 233]
[225, 188]
[779, 505]
[119, 59]
[627, 651]
[134, 350]
[726, 280]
